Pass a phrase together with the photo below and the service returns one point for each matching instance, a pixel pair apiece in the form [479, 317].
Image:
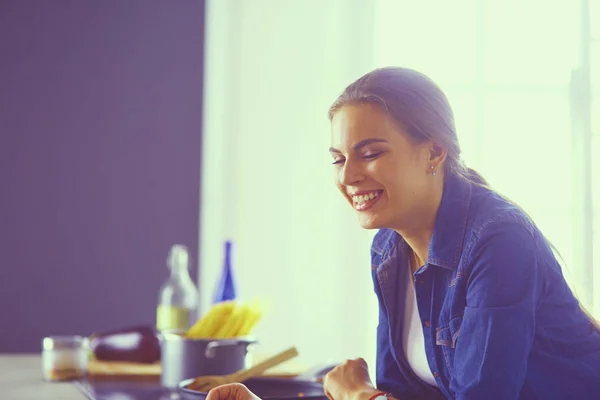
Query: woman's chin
[369, 222]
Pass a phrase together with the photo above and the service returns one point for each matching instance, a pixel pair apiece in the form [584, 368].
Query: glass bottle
[225, 289]
[178, 299]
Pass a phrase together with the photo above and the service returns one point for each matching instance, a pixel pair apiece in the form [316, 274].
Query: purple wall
[100, 119]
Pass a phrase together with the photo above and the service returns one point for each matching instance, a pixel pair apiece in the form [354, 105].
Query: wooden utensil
[206, 383]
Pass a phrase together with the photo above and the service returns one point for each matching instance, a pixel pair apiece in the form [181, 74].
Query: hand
[349, 381]
[232, 391]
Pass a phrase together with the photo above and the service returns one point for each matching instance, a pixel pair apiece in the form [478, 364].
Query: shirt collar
[446, 244]
[450, 227]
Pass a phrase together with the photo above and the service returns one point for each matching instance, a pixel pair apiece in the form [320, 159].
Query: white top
[412, 335]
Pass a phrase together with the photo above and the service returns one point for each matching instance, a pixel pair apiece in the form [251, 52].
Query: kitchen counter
[21, 378]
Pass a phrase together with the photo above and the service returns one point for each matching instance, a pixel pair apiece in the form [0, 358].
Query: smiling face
[379, 170]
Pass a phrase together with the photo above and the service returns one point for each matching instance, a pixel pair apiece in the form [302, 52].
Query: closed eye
[373, 155]
[368, 156]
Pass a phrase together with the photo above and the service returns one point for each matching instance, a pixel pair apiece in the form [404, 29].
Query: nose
[350, 174]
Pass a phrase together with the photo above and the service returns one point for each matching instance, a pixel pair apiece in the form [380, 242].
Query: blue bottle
[225, 290]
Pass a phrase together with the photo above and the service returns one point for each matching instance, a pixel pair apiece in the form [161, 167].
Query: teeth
[363, 198]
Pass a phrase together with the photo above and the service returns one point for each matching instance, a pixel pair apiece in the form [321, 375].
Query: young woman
[472, 301]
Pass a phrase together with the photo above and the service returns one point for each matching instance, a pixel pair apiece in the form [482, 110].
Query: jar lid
[65, 342]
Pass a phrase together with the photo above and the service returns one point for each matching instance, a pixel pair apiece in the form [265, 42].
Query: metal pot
[183, 358]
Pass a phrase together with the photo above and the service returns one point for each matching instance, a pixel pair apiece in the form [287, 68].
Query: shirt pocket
[446, 337]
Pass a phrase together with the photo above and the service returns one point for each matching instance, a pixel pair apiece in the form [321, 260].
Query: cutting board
[126, 371]
[118, 370]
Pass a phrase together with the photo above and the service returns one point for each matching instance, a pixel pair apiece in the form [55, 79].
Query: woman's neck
[418, 236]
[419, 244]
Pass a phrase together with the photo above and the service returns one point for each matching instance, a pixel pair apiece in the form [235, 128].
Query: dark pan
[271, 389]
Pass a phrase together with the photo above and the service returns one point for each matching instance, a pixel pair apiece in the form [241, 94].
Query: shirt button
[421, 281]
[435, 374]
[427, 323]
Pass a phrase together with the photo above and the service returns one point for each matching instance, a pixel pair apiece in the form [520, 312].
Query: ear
[437, 156]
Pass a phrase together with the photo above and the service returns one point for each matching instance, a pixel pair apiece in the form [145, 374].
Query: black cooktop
[108, 390]
[124, 390]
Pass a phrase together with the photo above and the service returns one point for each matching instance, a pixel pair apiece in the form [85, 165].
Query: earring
[432, 171]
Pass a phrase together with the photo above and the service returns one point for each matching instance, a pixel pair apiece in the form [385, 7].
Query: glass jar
[64, 357]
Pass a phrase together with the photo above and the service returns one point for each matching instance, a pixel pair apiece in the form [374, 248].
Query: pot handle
[211, 346]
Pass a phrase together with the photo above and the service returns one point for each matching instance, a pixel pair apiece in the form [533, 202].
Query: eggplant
[138, 344]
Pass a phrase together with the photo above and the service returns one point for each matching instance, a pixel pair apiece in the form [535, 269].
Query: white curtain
[272, 70]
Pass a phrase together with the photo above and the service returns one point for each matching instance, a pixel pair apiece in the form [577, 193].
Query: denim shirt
[498, 318]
